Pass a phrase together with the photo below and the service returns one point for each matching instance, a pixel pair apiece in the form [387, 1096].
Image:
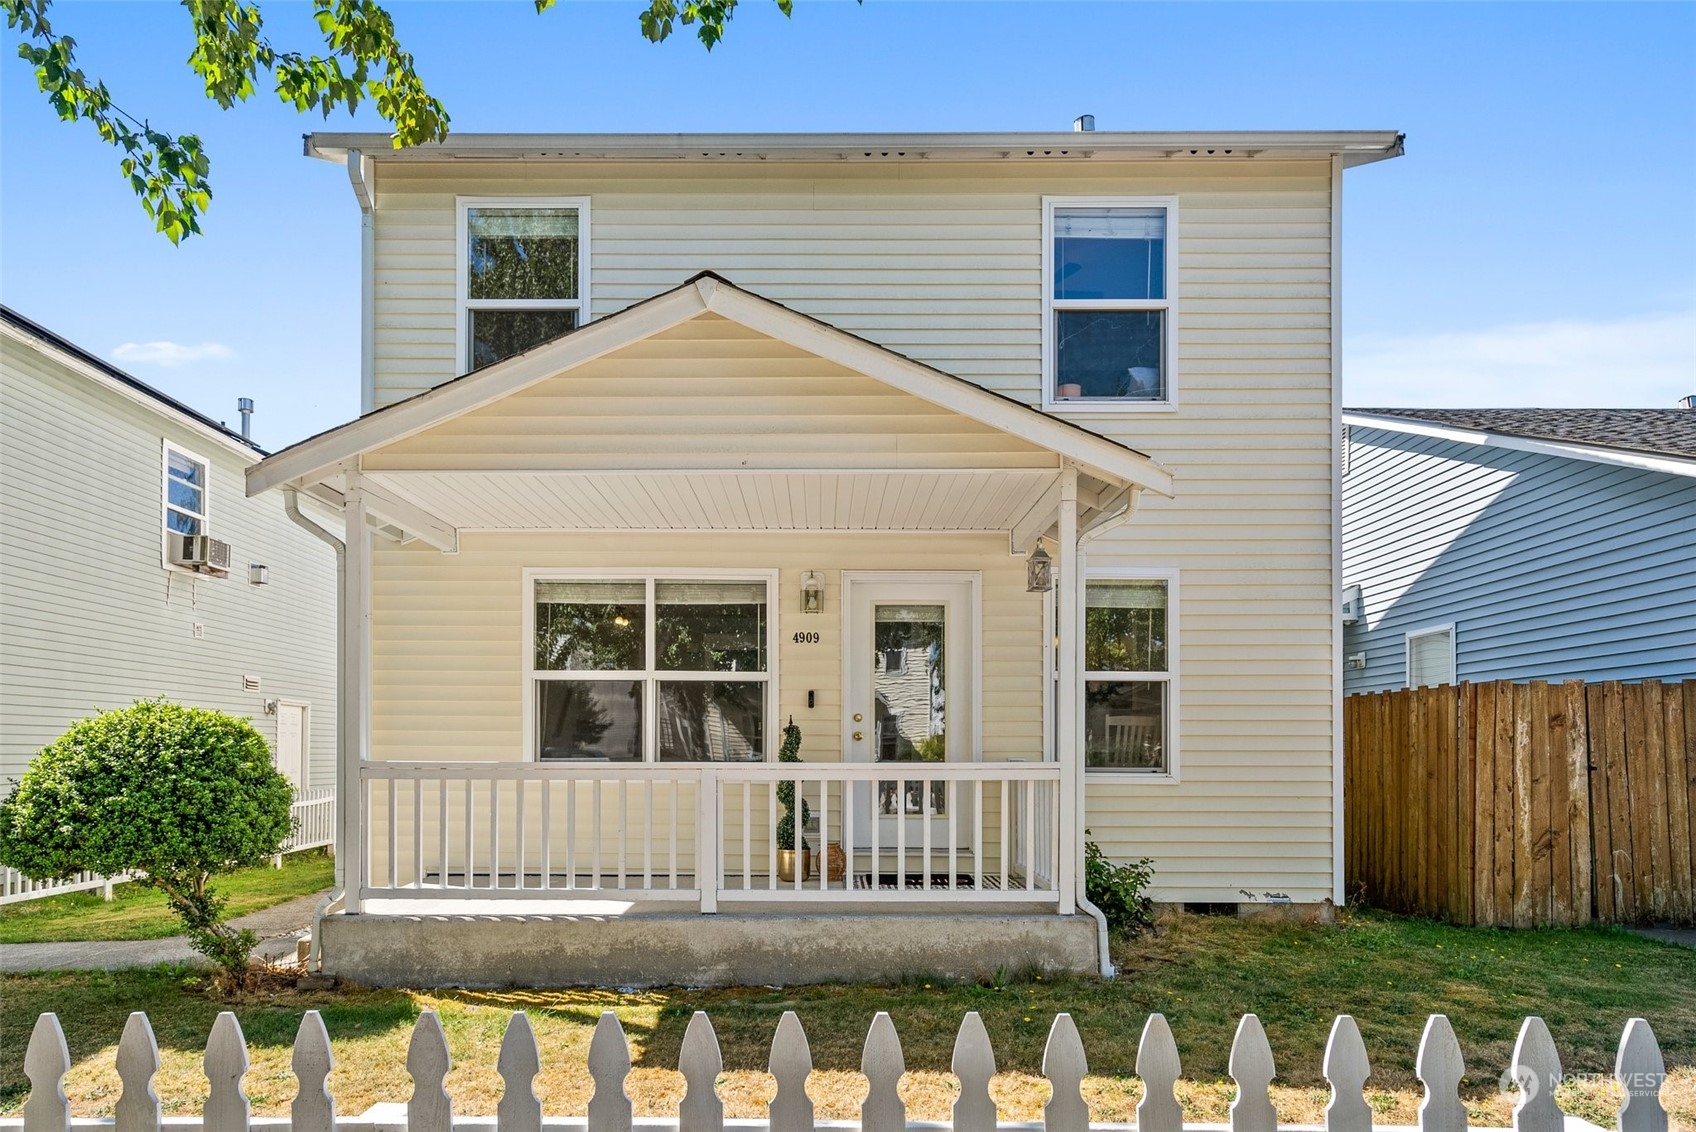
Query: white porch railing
[706, 832]
[314, 814]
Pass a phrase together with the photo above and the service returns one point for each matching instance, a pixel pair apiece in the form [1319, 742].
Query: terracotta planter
[786, 864]
[836, 861]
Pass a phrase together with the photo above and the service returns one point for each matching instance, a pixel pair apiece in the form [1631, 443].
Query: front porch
[565, 677]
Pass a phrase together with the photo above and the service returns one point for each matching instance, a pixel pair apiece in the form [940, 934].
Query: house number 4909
[806, 638]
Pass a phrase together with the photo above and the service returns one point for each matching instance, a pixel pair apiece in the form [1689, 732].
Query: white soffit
[971, 500]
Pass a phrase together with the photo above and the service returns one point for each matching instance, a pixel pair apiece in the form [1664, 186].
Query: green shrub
[790, 752]
[171, 794]
[1118, 890]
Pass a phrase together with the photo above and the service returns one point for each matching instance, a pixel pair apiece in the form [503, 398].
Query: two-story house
[1002, 466]
[133, 564]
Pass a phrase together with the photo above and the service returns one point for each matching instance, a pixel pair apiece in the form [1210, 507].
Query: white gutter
[1572, 450]
[333, 899]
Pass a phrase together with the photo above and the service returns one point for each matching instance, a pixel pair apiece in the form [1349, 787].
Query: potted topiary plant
[790, 752]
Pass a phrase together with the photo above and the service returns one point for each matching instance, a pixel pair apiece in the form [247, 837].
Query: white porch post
[354, 715]
[1068, 750]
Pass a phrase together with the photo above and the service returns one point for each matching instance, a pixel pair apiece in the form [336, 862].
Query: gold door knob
[858, 735]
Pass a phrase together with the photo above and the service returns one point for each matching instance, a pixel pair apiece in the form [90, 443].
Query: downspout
[333, 899]
[360, 174]
[1100, 525]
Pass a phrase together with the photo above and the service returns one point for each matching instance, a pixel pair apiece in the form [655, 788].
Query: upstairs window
[523, 272]
[1108, 312]
[185, 492]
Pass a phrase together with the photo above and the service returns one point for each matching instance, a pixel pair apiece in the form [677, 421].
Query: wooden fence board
[1523, 804]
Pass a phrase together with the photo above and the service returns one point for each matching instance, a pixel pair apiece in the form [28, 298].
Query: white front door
[909, 680]
[291, 741]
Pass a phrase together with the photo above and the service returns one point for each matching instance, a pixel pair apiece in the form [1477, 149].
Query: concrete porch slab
[491, 949]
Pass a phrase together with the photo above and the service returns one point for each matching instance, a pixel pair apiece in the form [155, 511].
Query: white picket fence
[314, 813]
[1535, 1069]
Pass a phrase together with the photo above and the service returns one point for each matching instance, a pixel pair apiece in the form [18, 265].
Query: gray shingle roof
[1664, 432]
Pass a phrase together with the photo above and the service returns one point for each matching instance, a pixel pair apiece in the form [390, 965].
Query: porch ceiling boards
[895, 500]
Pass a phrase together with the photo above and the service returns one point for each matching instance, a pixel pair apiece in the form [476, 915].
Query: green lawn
[140, 913]
[1201, 972]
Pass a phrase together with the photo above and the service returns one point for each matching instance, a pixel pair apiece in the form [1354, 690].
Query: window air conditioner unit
[200, 553]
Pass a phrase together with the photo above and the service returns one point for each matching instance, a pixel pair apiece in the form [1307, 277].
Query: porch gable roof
[312, 461]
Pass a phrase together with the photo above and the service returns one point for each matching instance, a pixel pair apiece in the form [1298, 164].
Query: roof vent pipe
[244, 406]
[1083, 124]
[1687, 402]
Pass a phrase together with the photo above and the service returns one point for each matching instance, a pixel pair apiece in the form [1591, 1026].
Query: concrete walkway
[277, 928]
[1684, 937]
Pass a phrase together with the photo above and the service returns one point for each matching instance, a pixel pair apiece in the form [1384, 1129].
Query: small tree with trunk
[172, 795]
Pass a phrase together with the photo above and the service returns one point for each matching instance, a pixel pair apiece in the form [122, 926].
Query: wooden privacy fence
[1523, 804]
[1535, 1070]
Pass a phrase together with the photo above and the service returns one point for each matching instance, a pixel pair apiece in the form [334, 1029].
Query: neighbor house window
[184, 492]
[1431, 656]
[1108, 310]
[1128, 663]
[523, 273]
[643, 669]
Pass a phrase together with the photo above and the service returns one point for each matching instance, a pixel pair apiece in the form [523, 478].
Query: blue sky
[1537, 245]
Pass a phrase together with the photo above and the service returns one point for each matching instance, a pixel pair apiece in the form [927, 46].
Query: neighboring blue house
[1518, 544]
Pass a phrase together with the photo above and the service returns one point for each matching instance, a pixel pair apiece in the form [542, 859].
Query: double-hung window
[1129, 657]
[1109, 313]
[661, 668]
[523, 275]
[184, 492]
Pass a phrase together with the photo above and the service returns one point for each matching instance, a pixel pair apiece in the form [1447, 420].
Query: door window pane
[1125, 724]
[1118, 354]
[521, 253]
[498, 334]
[909, 707]
[589, 719]
[1110, 253]
[711, 721]
[591, 626]
[710, 626]
[1124, 626]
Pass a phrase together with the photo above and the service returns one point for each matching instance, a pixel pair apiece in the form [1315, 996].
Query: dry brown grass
[1200, 972]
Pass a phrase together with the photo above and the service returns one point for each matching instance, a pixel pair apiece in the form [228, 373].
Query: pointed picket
[1536, 1069]
[700, 1062]
[519, 1109]
[1158, 1066]
[427, 1059]
[314, 1109]
[791, 1110]
[137, 1109]
[609, 1065]
[974, 1065]
[1064, 1065]
[46, 1062]
[1440, 1068]
[1640, 1070]
[1251, 1067]
[225, 1064]
[1347, 1069]
[882, 1063]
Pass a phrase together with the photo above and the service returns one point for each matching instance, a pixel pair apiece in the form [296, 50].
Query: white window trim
[650, 675]
[167, 447]
[463, 303]
[1169, 304]
[1407, 654]
[1171, 775]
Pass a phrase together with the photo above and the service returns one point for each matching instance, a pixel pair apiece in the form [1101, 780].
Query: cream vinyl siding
[942, 263]
[93, 620]
[710, 393]
[448, 647]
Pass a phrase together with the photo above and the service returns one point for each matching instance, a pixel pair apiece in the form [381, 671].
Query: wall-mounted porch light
[1039, 571]
[812, 592]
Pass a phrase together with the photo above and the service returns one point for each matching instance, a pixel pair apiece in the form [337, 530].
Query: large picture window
[523, 274]
[655, 668]
[1128, 664]
[1108, 309]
